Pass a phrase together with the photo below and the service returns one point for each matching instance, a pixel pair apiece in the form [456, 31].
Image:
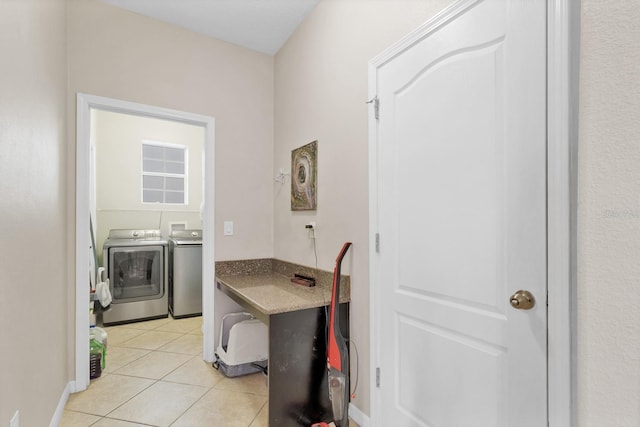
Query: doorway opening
[85, 208]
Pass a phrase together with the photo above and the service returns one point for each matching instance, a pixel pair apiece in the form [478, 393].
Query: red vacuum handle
[334, 358]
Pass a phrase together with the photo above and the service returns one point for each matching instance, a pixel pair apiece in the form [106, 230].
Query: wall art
[304, 175]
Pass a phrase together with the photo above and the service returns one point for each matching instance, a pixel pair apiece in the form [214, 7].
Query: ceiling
[262, 25]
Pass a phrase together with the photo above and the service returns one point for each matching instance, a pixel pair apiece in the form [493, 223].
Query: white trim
[442, 18]
[374, 293]
[64, 397]
[562, 73]
[84, 104]
[562, 126]
[81, 335]
[358, 416]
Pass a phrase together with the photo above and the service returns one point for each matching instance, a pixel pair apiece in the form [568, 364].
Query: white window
[164, 173]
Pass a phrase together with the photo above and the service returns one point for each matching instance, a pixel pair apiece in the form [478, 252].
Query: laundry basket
[243, 346]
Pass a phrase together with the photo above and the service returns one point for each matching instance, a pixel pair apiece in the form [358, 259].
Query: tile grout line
[258, 413]
[196, 331]
[129, 399]
[191, 406]
[201, 397]
[159, 380]
[139, 392]
[134, 360]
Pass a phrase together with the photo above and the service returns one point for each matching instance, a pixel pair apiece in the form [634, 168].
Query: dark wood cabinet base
[298, 393]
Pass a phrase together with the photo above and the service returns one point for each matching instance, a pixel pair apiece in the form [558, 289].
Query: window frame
[184, 176]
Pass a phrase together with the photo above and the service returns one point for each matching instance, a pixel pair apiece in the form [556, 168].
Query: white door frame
[563, 30]
[83, 127]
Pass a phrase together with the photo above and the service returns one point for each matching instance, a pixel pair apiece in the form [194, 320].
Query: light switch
[228, 228]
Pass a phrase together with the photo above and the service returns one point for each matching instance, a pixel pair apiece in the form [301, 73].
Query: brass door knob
[522, 300]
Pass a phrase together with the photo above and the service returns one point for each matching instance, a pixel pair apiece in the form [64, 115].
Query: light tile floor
[155, 376]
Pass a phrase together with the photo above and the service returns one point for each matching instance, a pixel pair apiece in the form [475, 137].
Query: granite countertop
[270, 290]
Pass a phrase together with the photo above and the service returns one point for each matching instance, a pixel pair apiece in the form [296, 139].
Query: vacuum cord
[355, 386]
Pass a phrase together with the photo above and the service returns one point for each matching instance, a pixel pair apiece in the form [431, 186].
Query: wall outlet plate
[228, 228]
[311, 229]
[15, 420]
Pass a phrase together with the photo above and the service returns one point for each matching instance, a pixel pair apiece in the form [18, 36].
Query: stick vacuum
[337, 354]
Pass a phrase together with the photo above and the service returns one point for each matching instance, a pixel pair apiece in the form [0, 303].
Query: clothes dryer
[185, 273]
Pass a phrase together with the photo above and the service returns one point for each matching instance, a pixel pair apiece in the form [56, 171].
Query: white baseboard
[57, 416]
[358, 416]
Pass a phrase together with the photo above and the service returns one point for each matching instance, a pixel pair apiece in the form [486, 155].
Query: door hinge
[377, 242]
[376, 106]
[378, 377]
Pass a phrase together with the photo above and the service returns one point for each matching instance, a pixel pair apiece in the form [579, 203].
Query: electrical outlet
[15, 420]
[228, 228]
[311, 229]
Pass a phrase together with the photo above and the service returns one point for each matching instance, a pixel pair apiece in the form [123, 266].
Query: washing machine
[136, 262]
[185, 273]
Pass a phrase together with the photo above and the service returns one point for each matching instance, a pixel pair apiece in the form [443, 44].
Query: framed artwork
[304, 175]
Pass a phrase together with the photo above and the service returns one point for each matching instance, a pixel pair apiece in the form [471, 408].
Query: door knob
[522, 300]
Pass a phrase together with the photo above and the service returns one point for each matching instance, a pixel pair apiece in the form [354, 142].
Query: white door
[459, 202]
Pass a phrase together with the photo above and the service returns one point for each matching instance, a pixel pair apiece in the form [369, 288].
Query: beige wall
[118, 54]
[609, 215]
[321, 90]
[33, 210]
[118, 141]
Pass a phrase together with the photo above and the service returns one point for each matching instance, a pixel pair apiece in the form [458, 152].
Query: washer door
[136, 273]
